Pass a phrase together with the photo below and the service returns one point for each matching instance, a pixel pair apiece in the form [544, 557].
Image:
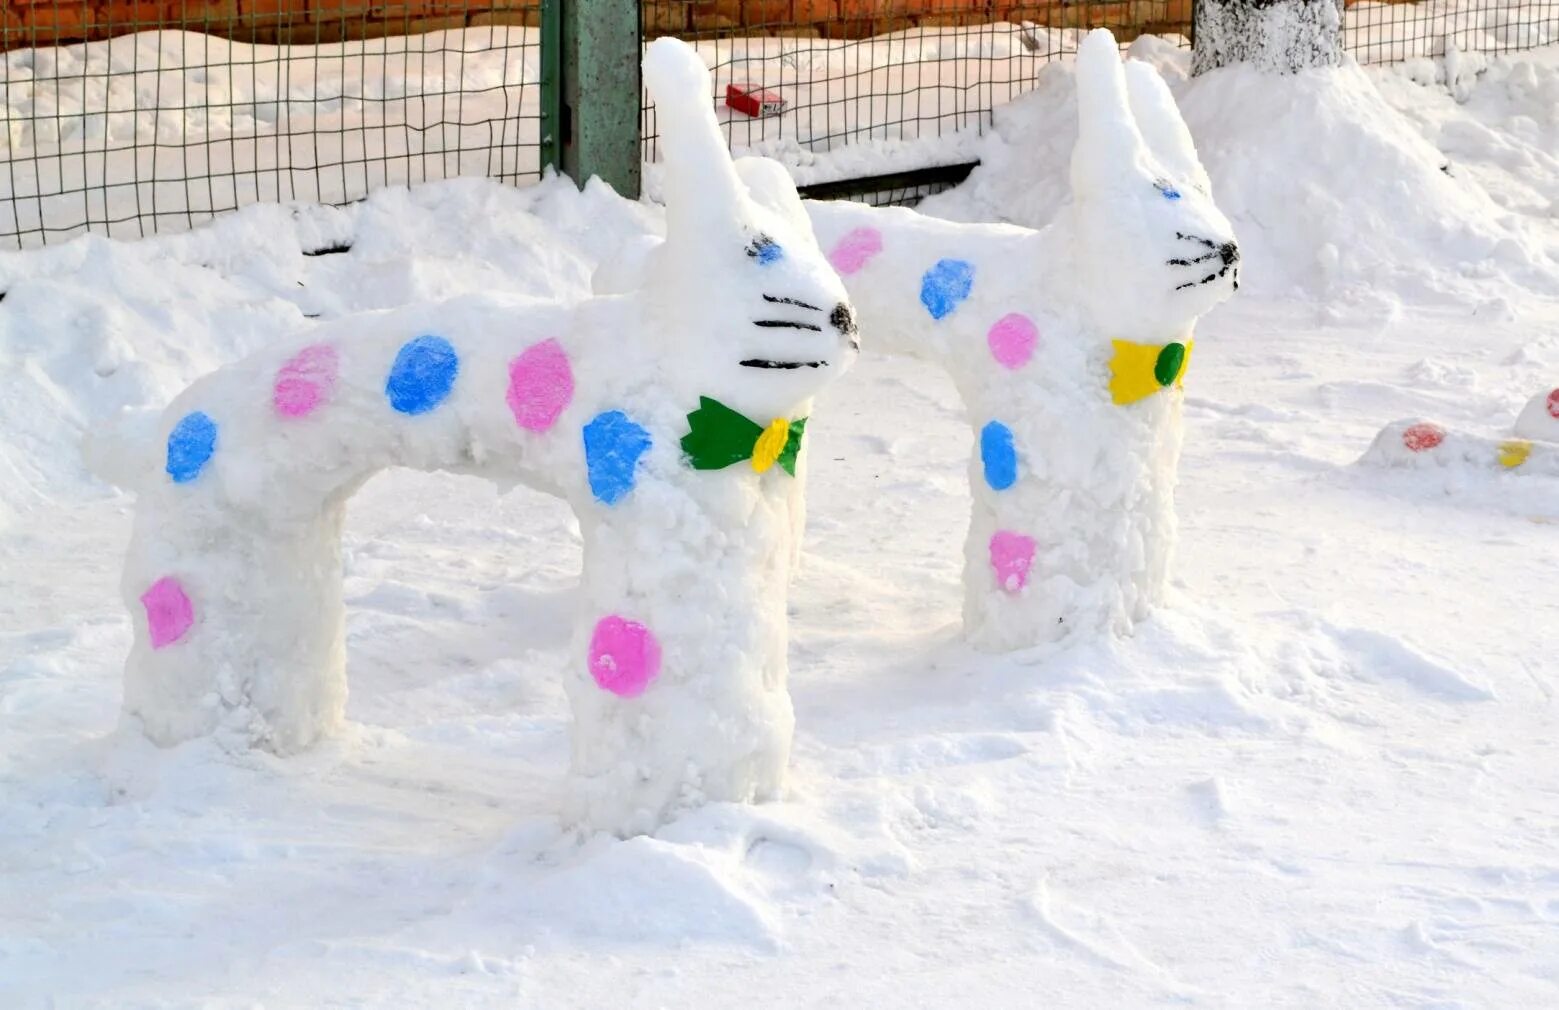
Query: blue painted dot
[765, 250]
[945, 286]
[613, 445]
[422, 376]
[1170, 192]
[190, 445]
[998, 456]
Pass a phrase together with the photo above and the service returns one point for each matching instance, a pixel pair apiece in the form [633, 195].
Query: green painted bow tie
[719, 436]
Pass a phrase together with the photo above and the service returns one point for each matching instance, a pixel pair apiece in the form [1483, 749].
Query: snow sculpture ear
[771, 186]
[1158, 119]
[704, 196]
[1109, 148]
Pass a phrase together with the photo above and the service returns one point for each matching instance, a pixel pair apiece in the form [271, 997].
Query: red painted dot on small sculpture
[169, 612]
[1423, 437]
[1553, 405]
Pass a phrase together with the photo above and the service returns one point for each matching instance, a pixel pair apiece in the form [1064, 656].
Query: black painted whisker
[1196, 238]
[798, 303]
[786, 324]
[1192, 262]
[766, 363]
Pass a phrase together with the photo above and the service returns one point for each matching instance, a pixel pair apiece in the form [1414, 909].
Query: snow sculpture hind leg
[1068, 346]
[671, 416]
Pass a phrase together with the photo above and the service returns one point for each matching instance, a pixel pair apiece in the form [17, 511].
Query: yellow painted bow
[1137, 371]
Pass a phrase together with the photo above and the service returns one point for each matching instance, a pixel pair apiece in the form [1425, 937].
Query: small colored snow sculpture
[1069, 346]
[679, 679]
[1417, 444]
[1539, 419]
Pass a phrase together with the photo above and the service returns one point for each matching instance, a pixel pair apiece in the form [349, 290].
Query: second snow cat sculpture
[671, 418]
[1068, 346]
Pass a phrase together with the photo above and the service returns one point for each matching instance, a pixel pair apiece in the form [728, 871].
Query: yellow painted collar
[1137, 371]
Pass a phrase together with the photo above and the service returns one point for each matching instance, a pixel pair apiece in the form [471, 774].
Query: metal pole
[600, 128]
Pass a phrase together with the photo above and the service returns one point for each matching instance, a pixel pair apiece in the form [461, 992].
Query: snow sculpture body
[670, 417]
[1420, 444]
[1067, 345]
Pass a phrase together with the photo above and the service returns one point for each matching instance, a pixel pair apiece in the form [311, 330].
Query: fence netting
[127, 117]
[156, 125]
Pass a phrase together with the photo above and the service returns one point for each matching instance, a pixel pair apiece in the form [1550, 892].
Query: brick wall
[861, 18]
[47, 22]
[51, 22]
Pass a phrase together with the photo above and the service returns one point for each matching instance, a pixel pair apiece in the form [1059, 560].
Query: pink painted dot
[855, 250]
[624, 656]
[1012, 555]
[1012, 339]
[541, 384]
[169, 612]
[1553, 405]
[304, 381]
[1423, 437]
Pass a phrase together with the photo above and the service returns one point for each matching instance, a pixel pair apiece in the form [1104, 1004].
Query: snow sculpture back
[1068, 346]
[671, 417]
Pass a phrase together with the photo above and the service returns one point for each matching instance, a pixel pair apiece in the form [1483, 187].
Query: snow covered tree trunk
[1277, 36]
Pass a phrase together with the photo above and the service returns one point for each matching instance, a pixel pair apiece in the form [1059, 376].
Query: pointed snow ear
[704, 197]
[1108, 141]
[1159, 120]
[771, 186]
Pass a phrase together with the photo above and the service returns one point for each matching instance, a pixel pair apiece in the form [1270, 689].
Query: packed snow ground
[1327, 776]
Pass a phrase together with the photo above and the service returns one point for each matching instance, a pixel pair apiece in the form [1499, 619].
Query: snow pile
[1334, 194]
[1074, 393]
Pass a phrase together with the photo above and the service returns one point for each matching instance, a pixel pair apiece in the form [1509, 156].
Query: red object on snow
[1423, 437]
[753, 100]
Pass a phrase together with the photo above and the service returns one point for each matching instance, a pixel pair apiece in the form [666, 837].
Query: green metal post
[600, 92]
[551, 84]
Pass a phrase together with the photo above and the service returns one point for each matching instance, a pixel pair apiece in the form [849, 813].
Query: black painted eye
[765, 250]
[1169, 192]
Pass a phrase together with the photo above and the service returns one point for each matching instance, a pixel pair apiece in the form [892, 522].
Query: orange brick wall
[47, 22]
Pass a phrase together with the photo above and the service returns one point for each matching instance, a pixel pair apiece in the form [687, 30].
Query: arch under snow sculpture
[670, 417]
[1068, 346]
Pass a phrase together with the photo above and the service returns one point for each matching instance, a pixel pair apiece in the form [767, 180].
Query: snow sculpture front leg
[1068, 346]
[670, 415]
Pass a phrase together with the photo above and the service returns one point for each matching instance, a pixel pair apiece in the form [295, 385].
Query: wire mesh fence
[795, 78]
[128, 117]
[1391, 32]
[139, 117]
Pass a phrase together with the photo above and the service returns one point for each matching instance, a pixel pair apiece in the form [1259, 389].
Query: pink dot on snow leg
[855, 250]
[1012, 339]
[541, 384]
[624, 656]
[304, 381]
[1012, 555]
[169, 613]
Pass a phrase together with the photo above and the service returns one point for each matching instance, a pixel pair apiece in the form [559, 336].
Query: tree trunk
[1277, 36]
